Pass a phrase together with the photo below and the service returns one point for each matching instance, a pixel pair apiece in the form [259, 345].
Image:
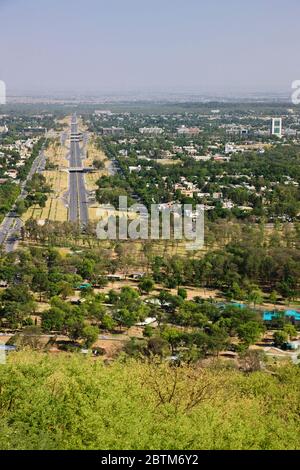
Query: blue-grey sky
[154, 45]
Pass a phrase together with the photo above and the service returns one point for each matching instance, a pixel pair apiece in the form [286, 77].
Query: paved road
[11, 225]
[78, 202]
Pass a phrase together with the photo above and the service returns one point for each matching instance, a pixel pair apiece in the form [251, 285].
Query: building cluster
[13, 156]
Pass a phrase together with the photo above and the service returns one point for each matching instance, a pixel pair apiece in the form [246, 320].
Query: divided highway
[78, 202]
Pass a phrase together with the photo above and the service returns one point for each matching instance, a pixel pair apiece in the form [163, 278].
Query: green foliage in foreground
[73, 402]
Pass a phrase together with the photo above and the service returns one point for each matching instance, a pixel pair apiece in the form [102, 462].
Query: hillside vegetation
[73, 402]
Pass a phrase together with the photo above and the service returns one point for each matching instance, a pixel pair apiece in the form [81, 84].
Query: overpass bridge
[78, 169]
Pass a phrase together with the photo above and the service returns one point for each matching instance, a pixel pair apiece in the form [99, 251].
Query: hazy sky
[156, 45]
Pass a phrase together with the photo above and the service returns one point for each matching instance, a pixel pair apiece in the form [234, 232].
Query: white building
[276, 127]
[230, 148]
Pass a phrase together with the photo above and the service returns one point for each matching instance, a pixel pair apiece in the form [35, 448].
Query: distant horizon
[55, 92]
[149, 95]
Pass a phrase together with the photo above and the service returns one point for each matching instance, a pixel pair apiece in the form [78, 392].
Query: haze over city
[133, 46]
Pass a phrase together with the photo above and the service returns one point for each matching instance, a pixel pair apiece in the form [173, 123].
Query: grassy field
[57, 179]
[168, 161]
[55, 208]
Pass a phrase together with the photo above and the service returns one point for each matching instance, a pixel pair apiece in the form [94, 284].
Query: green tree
[89, 334]
[255, 296]
[280, 338]
[148, 331]
[181, 292]
[20, 207]
[173, 336]
[250, 332]
[40, 282]
[273, 297]
[85, 268]
[146, 285]
[108, 323]
[18, 293]
[64, 289]
[290, 330]
[53, 319]
[125, 317]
